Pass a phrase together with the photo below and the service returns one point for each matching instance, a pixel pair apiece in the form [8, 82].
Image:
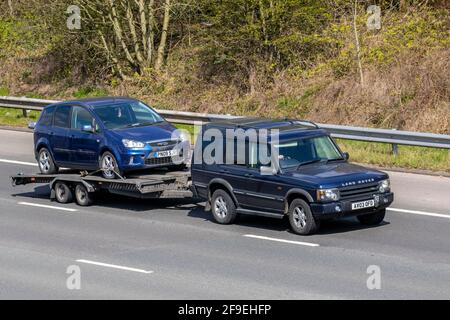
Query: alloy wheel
[220, 207]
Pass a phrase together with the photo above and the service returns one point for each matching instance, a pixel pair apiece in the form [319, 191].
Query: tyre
[372, 219]
[177, 167]
[109, 166]
[46, 163]
[63, 193]
[82, 196]
[301, 218]
[223, 207]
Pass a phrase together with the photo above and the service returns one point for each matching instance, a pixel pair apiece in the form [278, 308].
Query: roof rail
[302, 121]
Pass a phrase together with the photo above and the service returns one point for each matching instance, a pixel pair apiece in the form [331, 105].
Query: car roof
[287, 128]
[96, 101]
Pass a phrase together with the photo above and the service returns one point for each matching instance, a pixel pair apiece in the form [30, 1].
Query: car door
[264, 191]
[239, 174]
[59, 135]
[83, 144]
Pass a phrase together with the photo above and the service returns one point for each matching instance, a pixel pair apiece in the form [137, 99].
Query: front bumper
[343, 208]
[143, 159]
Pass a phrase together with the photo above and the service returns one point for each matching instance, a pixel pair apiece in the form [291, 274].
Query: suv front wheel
[301, 219]
[223, 207]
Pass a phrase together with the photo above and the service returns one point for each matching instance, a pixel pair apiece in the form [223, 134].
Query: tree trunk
[162, 43]
[11, 10]
[151, 37]
[358, 46]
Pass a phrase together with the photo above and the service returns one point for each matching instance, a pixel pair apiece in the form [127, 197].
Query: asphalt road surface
[171, 249]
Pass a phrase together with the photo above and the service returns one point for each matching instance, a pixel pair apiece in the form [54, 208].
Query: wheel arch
[219, 183]
[296, 193]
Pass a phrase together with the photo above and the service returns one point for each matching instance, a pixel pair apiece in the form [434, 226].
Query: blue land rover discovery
[307, 178]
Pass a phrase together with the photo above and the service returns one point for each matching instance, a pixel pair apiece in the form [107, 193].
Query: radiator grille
[362, 191]
[158, 161]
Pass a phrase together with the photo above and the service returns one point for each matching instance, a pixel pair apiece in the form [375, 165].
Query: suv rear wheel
[46, 163]
[372, 219]
[223, 207]
[301, 219]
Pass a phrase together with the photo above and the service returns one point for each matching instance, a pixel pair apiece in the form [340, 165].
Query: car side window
[47, 116]
[61, 118]
[80, 117]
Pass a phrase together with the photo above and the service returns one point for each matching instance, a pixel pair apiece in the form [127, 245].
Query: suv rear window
[47, 116]
[62, 117]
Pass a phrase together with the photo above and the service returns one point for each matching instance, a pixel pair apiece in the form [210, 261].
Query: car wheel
[83, 197]
[301, 218]
[223, 207]
[109, 166]
[63, 193]
[372, 219]
[46, 163]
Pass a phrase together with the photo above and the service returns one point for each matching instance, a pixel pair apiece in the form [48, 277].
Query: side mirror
[87, 128]
[346, 156]
[267, 171]
[31, 125]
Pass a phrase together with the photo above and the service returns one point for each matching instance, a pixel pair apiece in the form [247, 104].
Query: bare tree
[130, 30]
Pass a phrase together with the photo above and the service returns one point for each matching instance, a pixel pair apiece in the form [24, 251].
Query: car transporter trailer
[83, 186]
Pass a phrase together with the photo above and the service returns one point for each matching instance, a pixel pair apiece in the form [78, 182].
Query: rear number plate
[363, 204]
[167, 153]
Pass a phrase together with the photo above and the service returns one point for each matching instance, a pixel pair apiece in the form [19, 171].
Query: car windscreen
[127, 114]
[295, 153]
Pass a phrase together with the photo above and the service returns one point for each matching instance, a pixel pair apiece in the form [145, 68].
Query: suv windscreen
[127, 114]
[294, 153]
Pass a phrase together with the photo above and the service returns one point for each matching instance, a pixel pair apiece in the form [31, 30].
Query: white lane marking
[113, 266]
[309, 244]
[46, 206]
[423, 213]
[19, 162]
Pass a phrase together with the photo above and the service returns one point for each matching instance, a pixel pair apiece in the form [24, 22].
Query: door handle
[248, 175]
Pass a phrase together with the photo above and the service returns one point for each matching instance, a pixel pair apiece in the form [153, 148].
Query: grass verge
[379, 154]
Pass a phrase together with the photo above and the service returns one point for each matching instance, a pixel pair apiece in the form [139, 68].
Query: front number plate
[363, 204]
[167, 153]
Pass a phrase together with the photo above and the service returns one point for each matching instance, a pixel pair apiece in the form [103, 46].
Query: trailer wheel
[63, 193]
[83, 197]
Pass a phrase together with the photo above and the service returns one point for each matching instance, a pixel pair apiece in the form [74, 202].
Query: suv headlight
[132, 144]
[328, 194]
[384, 186]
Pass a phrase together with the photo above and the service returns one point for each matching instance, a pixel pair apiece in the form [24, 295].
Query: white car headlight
[328, 194]
[384, 185]
[184, 136]
[132, 144]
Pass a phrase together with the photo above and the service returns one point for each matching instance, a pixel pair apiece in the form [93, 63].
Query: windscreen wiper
[309, 162]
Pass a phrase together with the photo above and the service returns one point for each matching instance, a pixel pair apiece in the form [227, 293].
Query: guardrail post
[25, 113]
[395, 148]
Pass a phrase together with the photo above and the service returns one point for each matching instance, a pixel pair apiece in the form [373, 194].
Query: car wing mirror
[267, 171]
[87, 128]
[346, 156]
[31, 125]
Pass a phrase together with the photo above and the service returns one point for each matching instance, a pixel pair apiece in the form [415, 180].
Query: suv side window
[46, 118]
[80, 117]
[61, 118]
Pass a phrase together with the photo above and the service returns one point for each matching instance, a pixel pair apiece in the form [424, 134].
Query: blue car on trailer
[111, 134]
